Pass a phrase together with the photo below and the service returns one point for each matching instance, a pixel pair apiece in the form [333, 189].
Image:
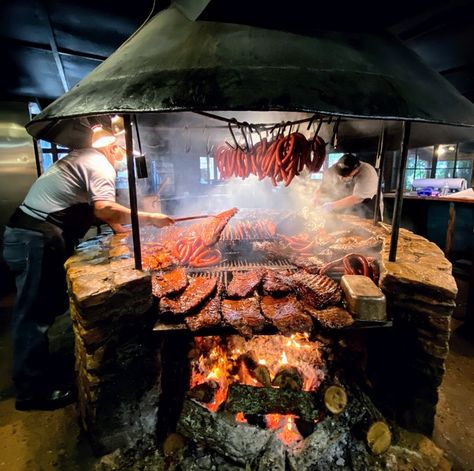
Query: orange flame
[239, 417]
[285, 427]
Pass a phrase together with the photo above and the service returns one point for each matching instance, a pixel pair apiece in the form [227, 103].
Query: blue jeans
[36, 259]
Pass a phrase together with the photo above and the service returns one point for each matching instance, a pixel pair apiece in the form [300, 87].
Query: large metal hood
[176, 64]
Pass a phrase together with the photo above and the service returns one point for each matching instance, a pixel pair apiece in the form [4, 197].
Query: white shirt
[83, 176]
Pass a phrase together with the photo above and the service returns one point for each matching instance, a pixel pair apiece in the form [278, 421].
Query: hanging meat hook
[237, 146]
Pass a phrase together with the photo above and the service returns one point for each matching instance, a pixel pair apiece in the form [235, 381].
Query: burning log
[250, 400]
[204, 392]
[289, 377]
[335, 399]
[242, 444]
[259, 372]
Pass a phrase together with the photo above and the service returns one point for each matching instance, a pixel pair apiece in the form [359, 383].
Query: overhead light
[117, 125]
[101, 137]
[451, 148]
[440, 151]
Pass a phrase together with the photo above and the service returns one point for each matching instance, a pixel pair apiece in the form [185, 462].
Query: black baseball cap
[347, 164]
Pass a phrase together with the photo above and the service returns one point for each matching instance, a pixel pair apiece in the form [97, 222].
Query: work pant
[36, 259]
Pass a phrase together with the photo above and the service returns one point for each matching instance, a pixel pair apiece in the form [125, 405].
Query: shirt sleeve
[366, 183]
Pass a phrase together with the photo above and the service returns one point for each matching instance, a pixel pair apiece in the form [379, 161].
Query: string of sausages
[280, 159]
[191, 251]
[300, 243]
[350, 264]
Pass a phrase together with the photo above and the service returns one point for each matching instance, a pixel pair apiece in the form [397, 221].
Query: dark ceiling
[48, 46]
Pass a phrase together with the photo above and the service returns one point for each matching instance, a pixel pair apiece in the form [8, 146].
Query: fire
[283, 359]
[239, 417]
[285, 427]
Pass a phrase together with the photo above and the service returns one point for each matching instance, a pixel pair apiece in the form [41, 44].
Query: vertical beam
[397, 209]
[455, 160]
[379, 163]
[137, 252]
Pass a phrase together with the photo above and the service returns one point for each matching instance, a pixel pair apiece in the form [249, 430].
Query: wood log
[204, 392]
[378, 437]
[289, 377]
[242, 443]
[251, 400]
[258, 372]
[335, 399]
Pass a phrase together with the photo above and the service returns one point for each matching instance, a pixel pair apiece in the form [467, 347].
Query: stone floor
[53, 440]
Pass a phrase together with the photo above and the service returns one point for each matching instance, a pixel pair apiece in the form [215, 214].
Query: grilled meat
[309, 264]
[334, 317]
[317, 290]
[356, 243]
[198, 291]
[272, 250]
[243, 315]
[208, 316]
[209, 230]
[243, 284]
[286, 314]
[168, 283]
[273, 283]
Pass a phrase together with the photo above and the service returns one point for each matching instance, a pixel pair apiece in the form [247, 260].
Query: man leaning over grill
[348, 186]
[41, 234]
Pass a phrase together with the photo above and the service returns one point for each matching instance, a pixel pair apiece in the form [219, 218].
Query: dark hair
[347, 164]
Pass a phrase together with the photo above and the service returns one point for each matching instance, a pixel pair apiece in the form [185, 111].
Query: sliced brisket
[273, 283]
[286, 314]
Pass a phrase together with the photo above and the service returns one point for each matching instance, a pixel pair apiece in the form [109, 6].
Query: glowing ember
[284, 359]
[285, 427]
[262, 362]
[239, 417]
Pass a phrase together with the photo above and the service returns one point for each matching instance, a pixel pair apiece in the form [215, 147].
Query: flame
[285, 427]
[239, 417]
[283, 359]
[262, 361]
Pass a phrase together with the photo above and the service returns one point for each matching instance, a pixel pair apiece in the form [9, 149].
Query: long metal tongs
[190, 218]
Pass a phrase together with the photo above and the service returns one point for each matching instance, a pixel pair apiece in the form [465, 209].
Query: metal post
[397, 209]
[132, 192]
[379, 162]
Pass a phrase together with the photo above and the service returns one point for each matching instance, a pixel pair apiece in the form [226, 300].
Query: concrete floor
[44, 441]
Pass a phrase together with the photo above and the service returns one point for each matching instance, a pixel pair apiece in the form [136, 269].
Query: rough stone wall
[116, 368]
[421, 292]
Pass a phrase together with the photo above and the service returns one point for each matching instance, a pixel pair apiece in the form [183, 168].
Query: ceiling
[49, 45]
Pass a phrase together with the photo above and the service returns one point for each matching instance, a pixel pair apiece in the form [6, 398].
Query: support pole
[397, 209]
[137, 252]
[379, 163]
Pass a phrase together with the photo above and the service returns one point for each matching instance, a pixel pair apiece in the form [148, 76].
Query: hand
[160, 220]
[327, 207]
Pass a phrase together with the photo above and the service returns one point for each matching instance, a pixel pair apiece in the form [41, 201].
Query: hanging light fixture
[117, 125]
[101, 137]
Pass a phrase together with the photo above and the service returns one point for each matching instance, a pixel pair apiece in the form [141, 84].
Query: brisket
[316, 290]
[244, 284]
[334, 317]
[168, 283]
[243, 315]
[286, 314]
[198, 291]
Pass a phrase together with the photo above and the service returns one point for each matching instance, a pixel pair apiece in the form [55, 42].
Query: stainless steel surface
[175, 64]
[364, 298]
[17, 158]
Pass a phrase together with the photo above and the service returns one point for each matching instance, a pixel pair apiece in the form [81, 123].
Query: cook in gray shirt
[348, 186]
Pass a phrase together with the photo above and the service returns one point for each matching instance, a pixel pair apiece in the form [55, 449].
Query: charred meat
[243, 315]
[244, 284]
[273, 284]
[195, 294]
[168, 283]
[208, 316]
[317, 290]
[286, 314]
[334, 317]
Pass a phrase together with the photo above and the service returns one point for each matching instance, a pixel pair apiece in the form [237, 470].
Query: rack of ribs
[286, 314]
[196, 293]
[273, 283]
[317, 290]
